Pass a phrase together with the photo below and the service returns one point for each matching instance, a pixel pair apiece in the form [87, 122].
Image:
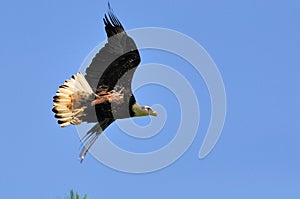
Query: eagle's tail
[71, 100]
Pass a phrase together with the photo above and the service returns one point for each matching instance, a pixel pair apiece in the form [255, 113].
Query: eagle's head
[140, 110]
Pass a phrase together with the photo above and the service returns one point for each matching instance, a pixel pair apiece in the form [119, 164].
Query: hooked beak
[153, 113]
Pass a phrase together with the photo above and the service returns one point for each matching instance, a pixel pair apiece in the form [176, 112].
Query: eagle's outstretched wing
[115, 63]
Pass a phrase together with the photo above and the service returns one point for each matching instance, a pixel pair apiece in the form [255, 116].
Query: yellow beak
[153, 113]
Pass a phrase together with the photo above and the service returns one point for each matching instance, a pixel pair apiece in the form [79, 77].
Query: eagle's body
[104, 93]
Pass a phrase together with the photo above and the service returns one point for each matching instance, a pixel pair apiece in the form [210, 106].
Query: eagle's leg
[111, 96]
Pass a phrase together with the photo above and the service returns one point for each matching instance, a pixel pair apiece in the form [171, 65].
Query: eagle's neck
[132, 102]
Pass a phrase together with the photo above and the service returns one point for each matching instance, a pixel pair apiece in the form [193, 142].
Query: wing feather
[115, 59]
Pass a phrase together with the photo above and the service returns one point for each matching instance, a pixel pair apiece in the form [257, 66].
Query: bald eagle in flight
[104, 93]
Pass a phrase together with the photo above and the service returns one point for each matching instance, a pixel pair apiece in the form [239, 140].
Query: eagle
[103, 94]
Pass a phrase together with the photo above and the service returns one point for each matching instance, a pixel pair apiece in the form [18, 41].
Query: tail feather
[71, 100]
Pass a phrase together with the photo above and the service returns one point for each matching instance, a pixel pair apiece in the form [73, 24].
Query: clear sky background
[256, 47]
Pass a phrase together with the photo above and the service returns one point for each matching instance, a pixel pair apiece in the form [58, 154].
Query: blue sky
[255, 45]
